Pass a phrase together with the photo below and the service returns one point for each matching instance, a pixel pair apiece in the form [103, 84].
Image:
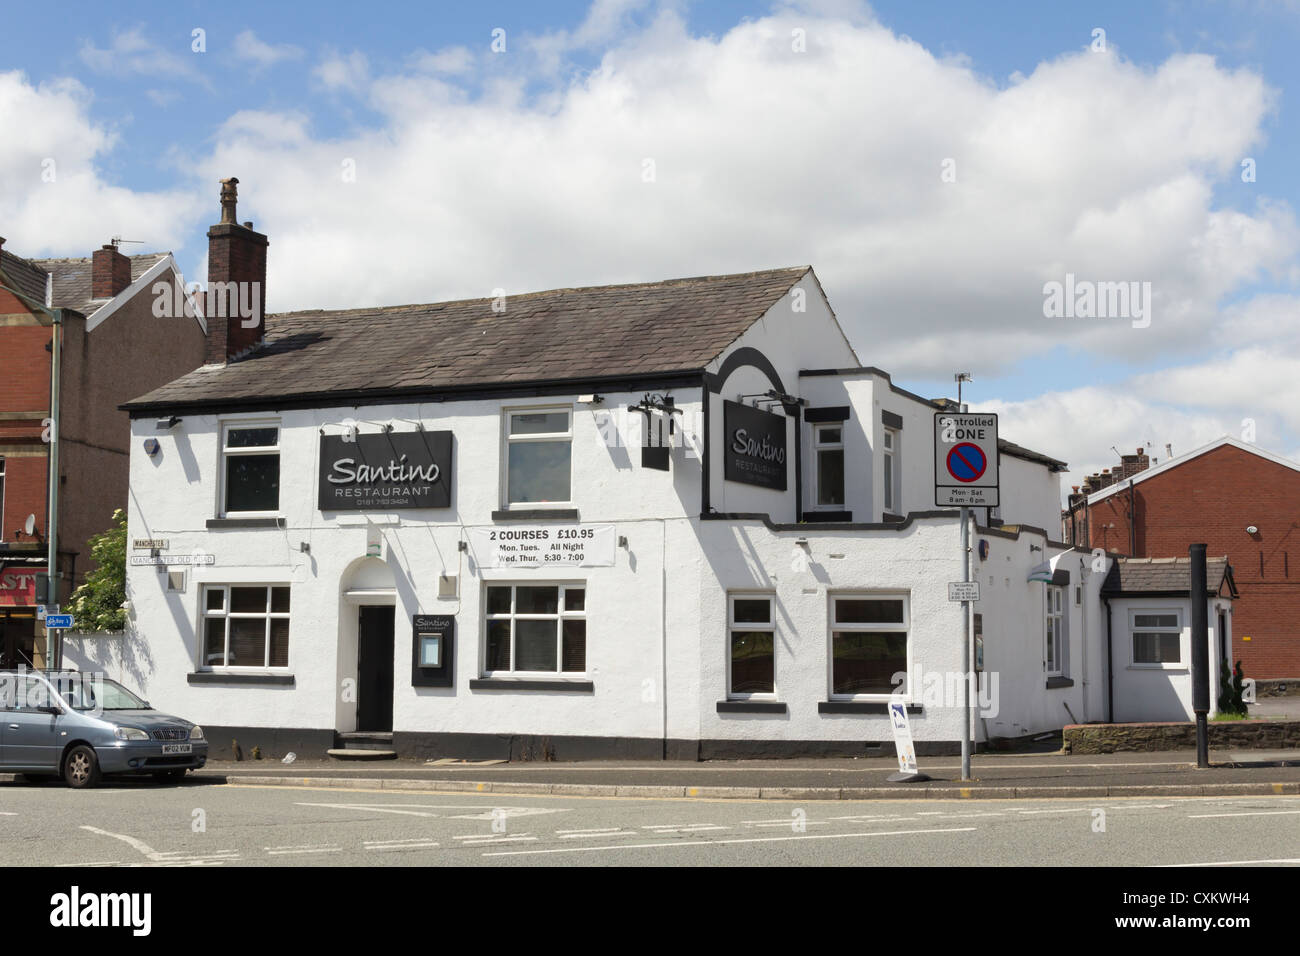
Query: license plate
[177, 748]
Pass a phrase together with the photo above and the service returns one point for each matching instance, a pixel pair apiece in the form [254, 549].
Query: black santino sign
[385, 471]
[754, 450]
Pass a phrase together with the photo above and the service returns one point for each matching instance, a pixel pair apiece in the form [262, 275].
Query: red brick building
[1239, 500]
[113, 345]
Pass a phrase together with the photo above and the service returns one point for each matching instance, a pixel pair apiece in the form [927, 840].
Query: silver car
[81, 726]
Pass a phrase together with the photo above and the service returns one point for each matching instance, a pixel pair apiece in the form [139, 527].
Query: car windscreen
[89, 693]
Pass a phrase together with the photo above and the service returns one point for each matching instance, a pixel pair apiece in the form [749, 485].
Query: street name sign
[965, 460]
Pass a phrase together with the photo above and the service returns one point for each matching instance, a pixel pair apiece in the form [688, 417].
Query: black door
[375, 669]
[17, 638]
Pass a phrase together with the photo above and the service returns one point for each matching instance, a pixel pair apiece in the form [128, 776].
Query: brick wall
[235, 254]
[1213, 498]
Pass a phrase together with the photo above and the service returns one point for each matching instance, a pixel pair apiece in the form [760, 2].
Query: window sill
[245, 522]
[536, 514]
[813, 517]
[218, 677]
[751, 707]
[860, 707]
[890, 517]
[509, 683]
[1054, 682]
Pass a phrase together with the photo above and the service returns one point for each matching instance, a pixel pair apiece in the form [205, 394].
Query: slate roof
[72, 278]
[678, 325]
[1166, 576]
[23, 275]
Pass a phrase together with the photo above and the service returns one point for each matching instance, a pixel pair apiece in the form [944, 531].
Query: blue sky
[476, 169]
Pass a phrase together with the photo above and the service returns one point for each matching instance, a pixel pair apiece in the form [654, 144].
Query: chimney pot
[249, 224]
[229, 198]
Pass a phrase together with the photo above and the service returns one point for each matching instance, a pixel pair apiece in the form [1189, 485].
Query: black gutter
[392, 396]
[705, 507]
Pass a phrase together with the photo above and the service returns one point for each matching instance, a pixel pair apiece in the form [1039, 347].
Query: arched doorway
[369, 593]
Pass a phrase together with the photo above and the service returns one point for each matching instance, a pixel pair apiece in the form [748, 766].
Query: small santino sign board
[754, 450]
[965, 460]
[390, 470]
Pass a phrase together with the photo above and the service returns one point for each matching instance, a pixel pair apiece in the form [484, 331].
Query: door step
[363, 745]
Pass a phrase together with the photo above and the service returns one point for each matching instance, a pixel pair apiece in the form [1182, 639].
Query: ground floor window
[1157, 637]
[752, 632]
[536, 629]
[1053, 628]
[246, 625]
[868, 644]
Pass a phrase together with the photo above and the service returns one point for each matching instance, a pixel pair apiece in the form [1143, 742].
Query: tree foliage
[97, 604]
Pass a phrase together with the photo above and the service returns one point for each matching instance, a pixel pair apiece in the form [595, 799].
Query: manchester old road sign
[965, 460]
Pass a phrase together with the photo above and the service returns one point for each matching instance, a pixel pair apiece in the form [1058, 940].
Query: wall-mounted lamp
[169, 422]
[151, 446]
[462, 546]
[802, 542]
[1252, 530]
[622, 541]
[590, 399]
[1034, 547]
[304, 547]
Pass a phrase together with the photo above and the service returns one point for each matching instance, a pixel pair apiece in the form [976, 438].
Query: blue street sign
[58, 621]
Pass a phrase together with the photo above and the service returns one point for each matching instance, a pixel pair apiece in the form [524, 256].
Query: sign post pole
[965, 647]
[966, 476]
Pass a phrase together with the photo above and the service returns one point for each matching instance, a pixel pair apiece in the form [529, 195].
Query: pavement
[994, 776]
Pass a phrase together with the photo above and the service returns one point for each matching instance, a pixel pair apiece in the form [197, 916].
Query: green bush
[97, 604]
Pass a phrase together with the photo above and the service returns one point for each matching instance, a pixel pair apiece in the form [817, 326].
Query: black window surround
[218, 523]
[751, 707]
[860, 707]
[819, 416]
[814, 517]
[219, 677]
[890, 420]
[536, 514]
[506, 683]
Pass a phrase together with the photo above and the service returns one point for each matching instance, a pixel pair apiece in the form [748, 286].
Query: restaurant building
[675, 519]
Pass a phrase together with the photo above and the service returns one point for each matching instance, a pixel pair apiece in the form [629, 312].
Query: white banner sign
[902, 737]
[536, 546]
[167, 559]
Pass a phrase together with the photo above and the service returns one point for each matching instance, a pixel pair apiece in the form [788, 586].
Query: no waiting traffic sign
[965, 460]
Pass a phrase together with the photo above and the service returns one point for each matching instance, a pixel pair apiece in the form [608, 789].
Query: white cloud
[54, 200]
[338, 72]
[131, 52]
[247, 46]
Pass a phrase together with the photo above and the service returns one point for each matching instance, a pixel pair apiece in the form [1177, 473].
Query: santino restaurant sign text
[388, 470]
[755, 447]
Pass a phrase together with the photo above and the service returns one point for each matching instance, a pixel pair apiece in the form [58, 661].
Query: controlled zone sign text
[965, 460]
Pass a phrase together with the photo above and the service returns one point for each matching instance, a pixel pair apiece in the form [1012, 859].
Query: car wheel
[170, 776]
[81, 767]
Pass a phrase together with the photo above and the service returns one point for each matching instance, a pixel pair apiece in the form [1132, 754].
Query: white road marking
[168, 857]
[1249, 813]
[597, 836]
[1169, 866]
[596, 830]
[476, 840]
[405, 845]
[302, 850]
[682, 828]
[645, 846]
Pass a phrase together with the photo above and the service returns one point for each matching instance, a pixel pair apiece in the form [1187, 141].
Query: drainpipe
[1132, 522]
[1110, 669]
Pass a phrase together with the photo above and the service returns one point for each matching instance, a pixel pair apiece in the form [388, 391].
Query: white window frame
[769, 627]
[818, 446]
[507, 440]
[235, 424]
[1054, 613]
[225, 613]
[1133, 631]
[891, 493]
[559, 617]
[831, 627]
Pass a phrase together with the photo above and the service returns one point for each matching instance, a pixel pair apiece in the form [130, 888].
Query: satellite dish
[30, 526]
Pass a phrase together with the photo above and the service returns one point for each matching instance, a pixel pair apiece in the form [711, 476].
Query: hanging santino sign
[390, 470]
[754, 451]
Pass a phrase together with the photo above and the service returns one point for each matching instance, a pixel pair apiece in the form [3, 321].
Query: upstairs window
[891, 450]
[828, 453]
[539, 456]
[250, 455]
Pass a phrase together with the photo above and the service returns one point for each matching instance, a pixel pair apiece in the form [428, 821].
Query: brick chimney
[1132, 464]
[234, 307]
[110, 272]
